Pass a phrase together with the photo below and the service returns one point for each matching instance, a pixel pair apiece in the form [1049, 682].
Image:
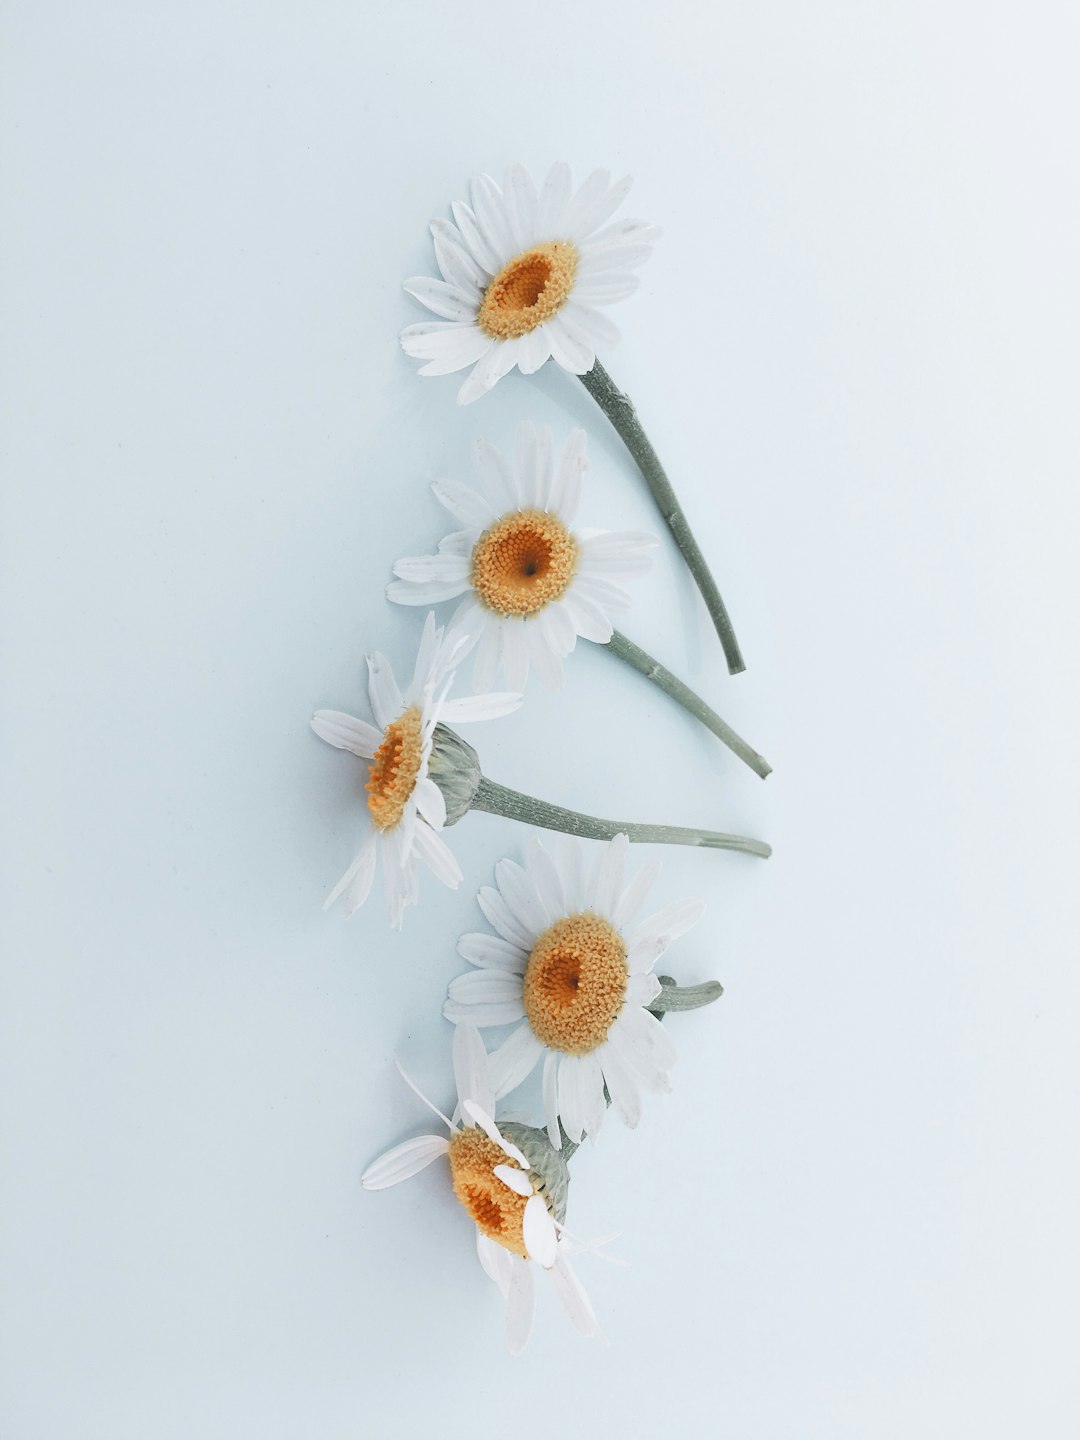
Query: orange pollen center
[529, 289]
[575, 983]
[394, 769]
[497, 1210]
[523, 562]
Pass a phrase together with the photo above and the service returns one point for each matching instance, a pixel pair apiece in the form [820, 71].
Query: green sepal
[455, 768]
[548, 1166]
[684, 997]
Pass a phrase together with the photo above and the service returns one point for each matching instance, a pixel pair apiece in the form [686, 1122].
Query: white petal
[604, 289]
[525, 471]
[666, 925]
[569, 475]
[346, 732]
[553, 201]
[539, 1233]
[499, 915]
[516, 1180]
[490, 952]
[474, 239]
[608, 598]
[488, 653]
[642, 990]
[430, 802]
[520, 894]
[574, 1300]
[403, 1161]
[442, 567]
[466, 504]
[449, 301]
[488, 371]
[648, 1032]
[456, 263]
[595, 203]
[551, 1098]
[515, 654]
[606, 259]
[622, 1085]
[479, 1116]
[590, 621]
[543, 658]
[624, 234]
[486, 987]
[580, 1084]
[480, 707]
[495, 1259]
[470, 1068]
[520, 1304]
[607, 879]
[520, 195]
[622, 1049]
[558, 626]
[569, 348]
[500, 1012]
[490, 210]
[437, 856]
[633, 897]
[495, 477]
[590, 1081]
[546, 880]
[597, 327]
[363, 865]
[383, 692]
[434, 592]
[535, 350]
[515, 1059]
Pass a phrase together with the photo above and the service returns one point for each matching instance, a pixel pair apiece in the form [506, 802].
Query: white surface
[855, 349]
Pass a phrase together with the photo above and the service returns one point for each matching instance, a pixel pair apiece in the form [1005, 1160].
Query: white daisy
[569, 962]
[531, 583]
[523, 272]
[405, 808]
[511, 1202]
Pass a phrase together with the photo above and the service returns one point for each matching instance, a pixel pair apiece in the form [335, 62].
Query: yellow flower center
[523, 562]
[529, 289]
[496, 1209]
[394, 769]
[575, 983]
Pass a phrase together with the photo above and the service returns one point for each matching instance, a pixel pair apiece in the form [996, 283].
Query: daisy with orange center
[405, 809]
[529, 581]
[511, 1183]
[571, 966]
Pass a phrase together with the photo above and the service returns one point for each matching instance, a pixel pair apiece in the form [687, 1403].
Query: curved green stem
[619, 409]
[660, 675]
[498, 800]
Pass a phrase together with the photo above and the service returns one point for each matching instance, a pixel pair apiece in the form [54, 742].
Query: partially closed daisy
[513, 1186]
[531, 582]
[524, 272]
[405, 809]
[570, 962]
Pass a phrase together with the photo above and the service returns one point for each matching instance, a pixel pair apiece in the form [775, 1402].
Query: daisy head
[404, 809]
[571, 965]
[530, 581]
[524, 272]
[511, 1183]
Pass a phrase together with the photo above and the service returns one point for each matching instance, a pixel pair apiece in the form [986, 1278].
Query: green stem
[498, 800]
[660, 675]
[619, 409]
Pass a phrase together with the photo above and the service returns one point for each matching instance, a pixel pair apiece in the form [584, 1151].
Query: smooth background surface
[855, 348]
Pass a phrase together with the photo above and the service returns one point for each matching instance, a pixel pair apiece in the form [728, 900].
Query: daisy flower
[523, 274]
[570, 963]
[531, 583]
[405, 808]
[516, 1201]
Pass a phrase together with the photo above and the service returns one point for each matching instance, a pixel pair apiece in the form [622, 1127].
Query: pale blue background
[855, 348]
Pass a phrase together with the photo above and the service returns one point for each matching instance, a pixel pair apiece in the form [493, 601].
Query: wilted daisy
[405, 809]
[531, 582]
[516, 1200]
[570, 962]
[523, 274]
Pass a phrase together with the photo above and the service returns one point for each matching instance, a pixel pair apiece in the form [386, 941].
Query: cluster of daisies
[567, 960]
